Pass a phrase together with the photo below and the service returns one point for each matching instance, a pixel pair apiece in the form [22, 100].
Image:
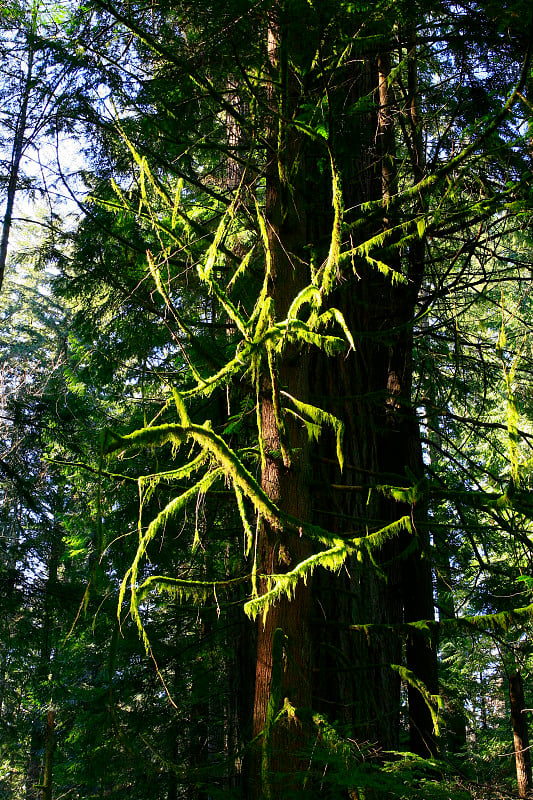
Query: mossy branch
[491, 624]
[206, 271]
[285, 583]
[156, 526]
[318, 418]
[216, 446]
[434, 702]
[331, 267]
[183, 590]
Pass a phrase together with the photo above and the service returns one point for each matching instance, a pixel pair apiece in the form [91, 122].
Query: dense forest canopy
[266, 420]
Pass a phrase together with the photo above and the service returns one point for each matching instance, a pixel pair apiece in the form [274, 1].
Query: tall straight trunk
[371, 390]
[49, 748]
[33, 769]
[520, 735]
[284, 477]
[241, 643]
[18, 146]
[454, 716]
[325, 663]
[39, 773]
[421, 655]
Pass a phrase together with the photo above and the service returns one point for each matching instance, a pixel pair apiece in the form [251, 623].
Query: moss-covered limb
[156, 276]
[310, 296]
[241, 269]
[296, 331]
[293, 331]
[263, 297]
[206, 386]
[265, 334]
[335, 314]
[430, 182]
[123, 205]
[473, 149]
[374, 541]
[259, 415]
[205, 271]
[156, 436]
[197, 591]
[232, 466]
[491, 624]
[434, 702]
[513, 497]
[330, 271]
[332, 559]
[228, 460]
[248, 533]
[285, 583]
[117, 476]
[169, 202]
[154, 528]
[147, 483]
[278, 410]
[412, 495]
[181, 408]
[235, 469]
[512, 415]
[318, 418]
[498, 623]
[387, 238]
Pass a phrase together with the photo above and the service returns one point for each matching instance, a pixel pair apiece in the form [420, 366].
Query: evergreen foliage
[265, 403]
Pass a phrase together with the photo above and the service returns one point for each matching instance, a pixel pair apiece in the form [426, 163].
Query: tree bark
[343, 674]
[49, 748]
[33, 770]
[18, 146]
[284, 471]
[371, 390]
[520, 735]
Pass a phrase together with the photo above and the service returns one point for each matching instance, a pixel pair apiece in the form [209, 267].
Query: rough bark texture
[371, 391]
[49, 748]
[520, 735]
[328, 664]
[284, 477]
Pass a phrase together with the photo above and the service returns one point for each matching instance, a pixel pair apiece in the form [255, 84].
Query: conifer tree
[340, 197]
[281, 277]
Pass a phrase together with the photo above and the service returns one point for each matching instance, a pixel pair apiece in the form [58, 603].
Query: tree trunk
[33, 770]
[49, 747]
[371, 391]
[18, 146]
[520, 735]
[284, 471]
[346, 675]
